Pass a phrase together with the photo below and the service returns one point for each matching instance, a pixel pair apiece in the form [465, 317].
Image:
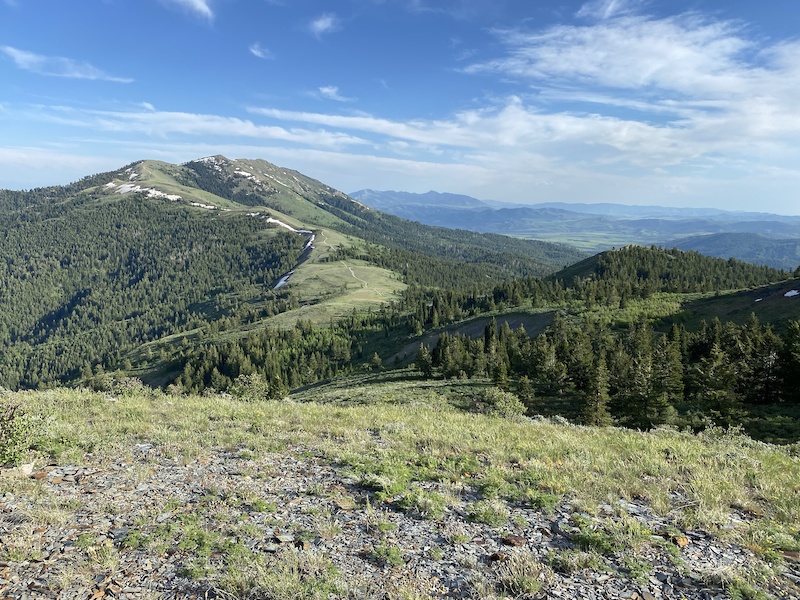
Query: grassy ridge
[419, 453]
[412, 430]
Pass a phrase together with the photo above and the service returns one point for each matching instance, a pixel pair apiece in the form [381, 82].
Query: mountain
[388, 201]
[596, 227]
[134, 268]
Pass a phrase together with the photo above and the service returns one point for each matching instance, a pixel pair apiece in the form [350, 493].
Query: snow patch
[289, 227]
[133, 176]
[201, 205]
[792, 293]
[110, 184]
[283, 280]
[276, 180]
[127, 188]
[210, 160]
[247, 175]
[759, 299]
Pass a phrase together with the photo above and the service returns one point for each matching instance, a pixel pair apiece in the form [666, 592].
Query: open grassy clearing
[329, 291]
[534, 322]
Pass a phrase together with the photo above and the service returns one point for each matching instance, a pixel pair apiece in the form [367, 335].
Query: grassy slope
[325, 290]
[403, 433]
[768, 303]
[360, 417]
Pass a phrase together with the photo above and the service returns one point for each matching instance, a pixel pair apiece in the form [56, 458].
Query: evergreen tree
[423, 361]
[668, 386]
[595, 398]
[713, 387]
[790, 363]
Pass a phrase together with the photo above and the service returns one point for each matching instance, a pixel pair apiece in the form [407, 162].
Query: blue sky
[670, 102]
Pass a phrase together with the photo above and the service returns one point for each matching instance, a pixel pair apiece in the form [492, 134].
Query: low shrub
[17, 433]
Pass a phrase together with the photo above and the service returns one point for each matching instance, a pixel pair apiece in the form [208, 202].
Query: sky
[655, 102]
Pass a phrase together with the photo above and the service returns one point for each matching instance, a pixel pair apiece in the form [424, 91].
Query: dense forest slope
[755, 248]
[102, 270]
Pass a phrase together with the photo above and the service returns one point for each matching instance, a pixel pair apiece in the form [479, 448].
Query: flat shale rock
[150, 526]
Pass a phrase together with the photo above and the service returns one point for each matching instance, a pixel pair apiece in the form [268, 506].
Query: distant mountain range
[760, 238]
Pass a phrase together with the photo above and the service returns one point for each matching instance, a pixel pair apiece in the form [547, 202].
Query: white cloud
[331, 92]
[33, 157]
[163, 124]
[683, 54]
[326, 23]
[256, 50]
[57, 66]
[25, 167]
[201, 8]
[699, 83]
[606, 9]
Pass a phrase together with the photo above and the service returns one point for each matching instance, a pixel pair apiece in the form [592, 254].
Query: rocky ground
[151, 526]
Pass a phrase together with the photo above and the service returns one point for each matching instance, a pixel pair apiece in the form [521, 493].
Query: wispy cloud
[58, 66]
[163, 124]
[689, 74]
[606, 9]
[201, 8]
[257, 50]
[326, 23]
[33, 157]
[684, 54]
[331, 92]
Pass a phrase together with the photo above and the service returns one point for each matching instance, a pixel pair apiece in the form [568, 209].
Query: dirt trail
[364, 283]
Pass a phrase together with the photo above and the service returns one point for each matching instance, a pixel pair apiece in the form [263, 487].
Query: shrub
[17, 432]
[496, 402]
[250, 388]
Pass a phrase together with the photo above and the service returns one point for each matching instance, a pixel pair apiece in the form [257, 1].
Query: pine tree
[713, 384]
[423, 361]
[668, 385]
[595, 398]
[790, 363]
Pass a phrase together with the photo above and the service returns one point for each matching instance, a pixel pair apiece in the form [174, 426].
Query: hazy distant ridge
[756, 237]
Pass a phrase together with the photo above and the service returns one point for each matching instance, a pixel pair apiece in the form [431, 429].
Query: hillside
[750, 247]
[759, 238]
[173, 275]
[134, 268]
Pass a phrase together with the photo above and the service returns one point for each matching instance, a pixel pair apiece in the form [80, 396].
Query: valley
[754, 237]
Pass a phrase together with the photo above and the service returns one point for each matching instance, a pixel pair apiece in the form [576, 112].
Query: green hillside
[359, 396]
[750, 247]
[218, 274]
[135, 268]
